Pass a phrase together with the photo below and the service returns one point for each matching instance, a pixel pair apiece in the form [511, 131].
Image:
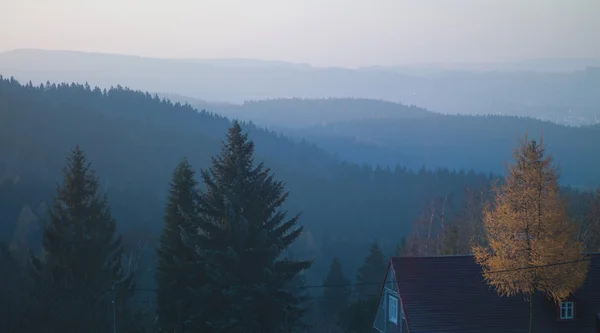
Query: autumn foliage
[532, 244]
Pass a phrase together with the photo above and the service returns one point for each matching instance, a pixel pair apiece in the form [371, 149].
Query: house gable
[389, 317]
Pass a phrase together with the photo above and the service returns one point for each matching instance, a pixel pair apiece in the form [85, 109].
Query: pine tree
[297, 287]
[13, 285]
[358, 316]
[529, 234]
[172, 298]
[401, 248]
[81, 260]
[242, 235]
[371, 271]
[337, 290]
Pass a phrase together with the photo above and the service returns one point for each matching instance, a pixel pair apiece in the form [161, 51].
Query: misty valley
[124, 210]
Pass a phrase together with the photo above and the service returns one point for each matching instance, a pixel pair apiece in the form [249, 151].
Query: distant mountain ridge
[377, 132]
[300, 112]
[527, 65]
[556, 65]
[564, 97]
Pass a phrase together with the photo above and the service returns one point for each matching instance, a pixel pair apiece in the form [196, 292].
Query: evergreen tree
[241, 238]
[297, 287]
[337, 290]
[80, 272]
[371, 271]
[358, 316]
[401, 248]
[172, 298]
[13, 286]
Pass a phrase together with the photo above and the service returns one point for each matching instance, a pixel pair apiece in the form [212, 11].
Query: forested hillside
[352, 217]
[135, 141]
[299, 113]
[568, 97]
[377, 132]
[483, 143]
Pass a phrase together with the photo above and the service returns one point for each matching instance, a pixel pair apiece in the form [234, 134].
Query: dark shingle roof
[448, 294]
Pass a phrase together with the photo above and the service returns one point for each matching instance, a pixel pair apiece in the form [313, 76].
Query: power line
[394, 281]
[540, 266]
[377, 295]
[491, 272]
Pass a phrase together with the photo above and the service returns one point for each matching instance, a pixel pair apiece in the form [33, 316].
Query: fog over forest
[175, 191]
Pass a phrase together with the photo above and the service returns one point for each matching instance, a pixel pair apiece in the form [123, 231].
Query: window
[393, 309]
[567, 310]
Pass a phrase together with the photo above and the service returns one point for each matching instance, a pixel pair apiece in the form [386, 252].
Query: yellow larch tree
[532, 244]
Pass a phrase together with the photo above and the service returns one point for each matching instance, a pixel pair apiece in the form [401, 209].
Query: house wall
[382, 322]
[381, 315]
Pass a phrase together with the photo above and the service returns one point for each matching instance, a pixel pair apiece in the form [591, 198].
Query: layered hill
[134, 141]
[386, 133]
[568, 97]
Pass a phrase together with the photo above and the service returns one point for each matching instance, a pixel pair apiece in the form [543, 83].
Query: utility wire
[477, 274]
[376, 295]
[386, 282]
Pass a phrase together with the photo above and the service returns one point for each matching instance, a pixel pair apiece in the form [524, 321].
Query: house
[447, 294]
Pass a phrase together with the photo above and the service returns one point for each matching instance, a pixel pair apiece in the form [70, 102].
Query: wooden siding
[390, 282]
[382, 322]
[380, 317]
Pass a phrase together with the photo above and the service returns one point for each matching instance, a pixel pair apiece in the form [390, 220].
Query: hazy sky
[320, 32]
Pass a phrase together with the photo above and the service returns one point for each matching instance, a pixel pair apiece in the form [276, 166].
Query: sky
[348, 33]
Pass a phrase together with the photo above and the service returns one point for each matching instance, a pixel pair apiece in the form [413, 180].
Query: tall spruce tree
[297, 287]
[401, 248]
[13, 285]
[336, 293]
[358, 316]
[371, 271]
[242, 236]
[172, 298]
[80, 273]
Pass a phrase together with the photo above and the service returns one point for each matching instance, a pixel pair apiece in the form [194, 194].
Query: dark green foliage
[80, 271]
[457, 142]
[148, 135]
[172, 298]
[297, 287]
[336, 293]
[371, 271]
[401, 247]
[244, 286]
[359, 315]
[13, 286]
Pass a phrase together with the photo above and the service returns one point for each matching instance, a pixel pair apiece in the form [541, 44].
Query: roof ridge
[463, 255]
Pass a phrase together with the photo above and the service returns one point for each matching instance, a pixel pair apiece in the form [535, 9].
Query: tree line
[452, 223]
[136, 139]
[224, 263]
[444, 227]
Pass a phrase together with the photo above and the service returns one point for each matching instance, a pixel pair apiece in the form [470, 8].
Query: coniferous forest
[124, 212]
